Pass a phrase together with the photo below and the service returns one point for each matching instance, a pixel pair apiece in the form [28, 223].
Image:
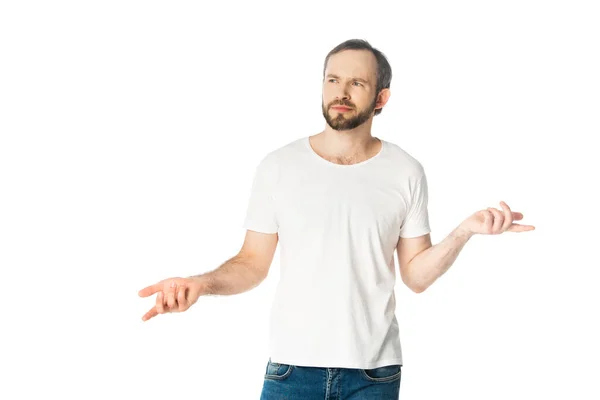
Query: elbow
[255, 263]
[418, 289]
[414, 286]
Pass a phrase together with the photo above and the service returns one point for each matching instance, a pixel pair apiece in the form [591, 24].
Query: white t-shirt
[338, 227]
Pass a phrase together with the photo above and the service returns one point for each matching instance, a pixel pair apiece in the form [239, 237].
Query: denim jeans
[292, 382]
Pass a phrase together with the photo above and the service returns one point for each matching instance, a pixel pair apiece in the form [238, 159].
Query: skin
[350, 79]
[421, 263]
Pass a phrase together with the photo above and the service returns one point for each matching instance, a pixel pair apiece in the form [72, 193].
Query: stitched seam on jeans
[289, 371]
[385, 379]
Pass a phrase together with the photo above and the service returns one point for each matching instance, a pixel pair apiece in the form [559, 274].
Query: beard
[341, 122]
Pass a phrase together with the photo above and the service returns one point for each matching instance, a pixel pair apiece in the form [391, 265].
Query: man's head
[357, 76]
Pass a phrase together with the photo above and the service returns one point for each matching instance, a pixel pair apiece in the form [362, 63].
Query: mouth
[341, 108]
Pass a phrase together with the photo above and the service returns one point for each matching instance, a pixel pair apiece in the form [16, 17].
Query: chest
[360, 203]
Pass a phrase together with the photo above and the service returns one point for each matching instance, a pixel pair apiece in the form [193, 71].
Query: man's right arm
[244, 271]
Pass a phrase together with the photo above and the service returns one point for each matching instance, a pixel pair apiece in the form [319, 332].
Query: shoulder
[403, 160]
[284, 153]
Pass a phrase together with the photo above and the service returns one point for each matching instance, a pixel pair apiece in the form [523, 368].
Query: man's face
[349, 89]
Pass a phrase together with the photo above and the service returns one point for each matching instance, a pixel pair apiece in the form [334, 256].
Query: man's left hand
[493, 221]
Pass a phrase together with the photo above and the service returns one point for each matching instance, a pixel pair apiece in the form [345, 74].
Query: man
[340, 202]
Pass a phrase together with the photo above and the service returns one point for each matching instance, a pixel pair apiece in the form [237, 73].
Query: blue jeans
[292, 382]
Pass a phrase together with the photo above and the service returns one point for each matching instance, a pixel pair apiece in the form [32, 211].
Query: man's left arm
[422, 263]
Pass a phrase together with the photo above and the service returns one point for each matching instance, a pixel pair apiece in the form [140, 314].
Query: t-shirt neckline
[332, 164]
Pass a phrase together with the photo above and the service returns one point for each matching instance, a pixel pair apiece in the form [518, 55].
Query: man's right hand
[174, 295]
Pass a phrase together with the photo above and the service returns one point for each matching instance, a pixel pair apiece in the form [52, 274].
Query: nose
[342, 93]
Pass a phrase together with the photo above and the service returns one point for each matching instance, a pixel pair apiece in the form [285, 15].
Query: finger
[170, 295]
[149, 290]
[508, 216]
[488, 220]
[181, 300]
[170, 300]
[498, 220]
[150, 314]
[160, 303]
[520, 228]
[517, 216]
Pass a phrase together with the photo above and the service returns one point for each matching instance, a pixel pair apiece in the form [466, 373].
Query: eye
[358, 83]
[331, 80]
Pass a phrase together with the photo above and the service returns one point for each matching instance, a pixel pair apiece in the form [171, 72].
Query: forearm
[427, 266]
[236, 275]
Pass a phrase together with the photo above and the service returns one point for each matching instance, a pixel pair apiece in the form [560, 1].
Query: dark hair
[384, 70]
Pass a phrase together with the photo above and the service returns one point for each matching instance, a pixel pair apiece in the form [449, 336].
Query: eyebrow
[355, 79]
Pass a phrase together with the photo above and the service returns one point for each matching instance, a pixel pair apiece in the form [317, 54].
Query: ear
[382, 98]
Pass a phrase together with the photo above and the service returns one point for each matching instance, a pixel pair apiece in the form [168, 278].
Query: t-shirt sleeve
[260, 212]
[416, 222]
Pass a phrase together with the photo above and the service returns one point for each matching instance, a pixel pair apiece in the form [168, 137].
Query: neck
[346, 146]
[349, 142]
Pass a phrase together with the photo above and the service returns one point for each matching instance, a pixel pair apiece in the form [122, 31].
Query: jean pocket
[278, 371]
[386, 373]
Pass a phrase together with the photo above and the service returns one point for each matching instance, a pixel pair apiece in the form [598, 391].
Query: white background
[130, 131]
